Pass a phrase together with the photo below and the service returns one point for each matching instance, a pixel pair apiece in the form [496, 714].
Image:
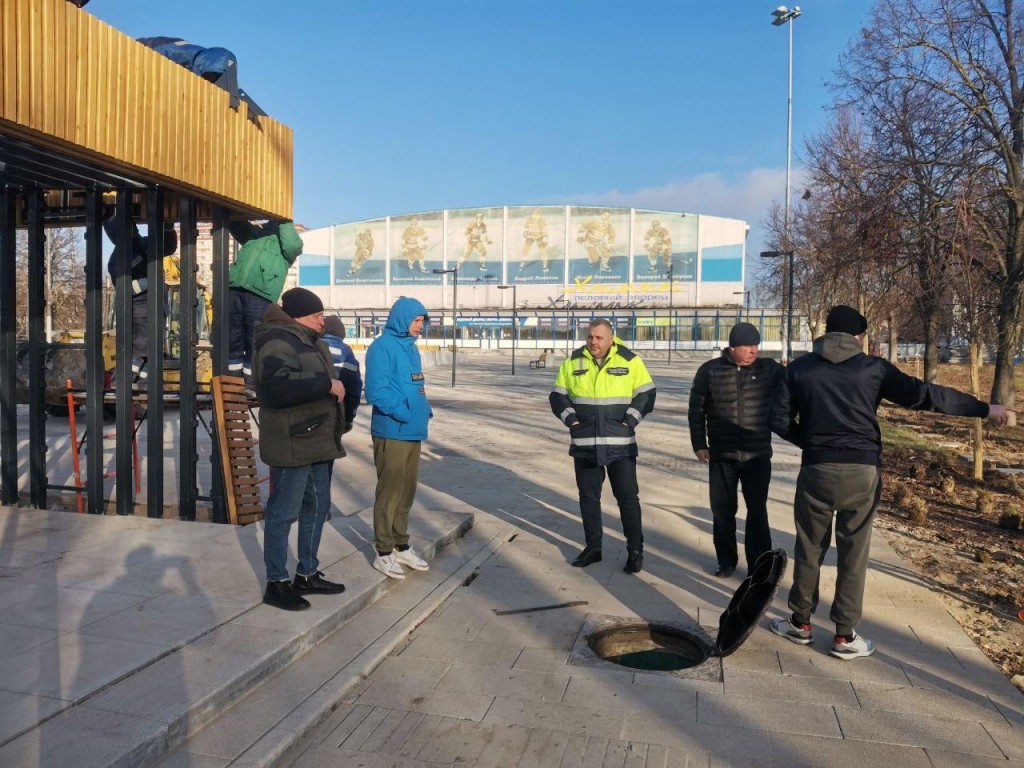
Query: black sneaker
[724, 571]
[587, 557]
[635, 561]
[281, 594]
[305, 585]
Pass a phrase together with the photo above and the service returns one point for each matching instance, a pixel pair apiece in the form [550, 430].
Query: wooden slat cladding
[237, 450]
[71, 82]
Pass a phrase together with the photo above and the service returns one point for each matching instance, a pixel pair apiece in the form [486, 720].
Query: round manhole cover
[650, 647]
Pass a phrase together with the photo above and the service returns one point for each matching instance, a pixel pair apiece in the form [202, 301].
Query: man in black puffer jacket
[736, 401]
[834, 393]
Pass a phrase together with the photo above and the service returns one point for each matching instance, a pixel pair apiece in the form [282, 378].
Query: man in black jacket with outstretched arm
[834, 393]
[736, 401]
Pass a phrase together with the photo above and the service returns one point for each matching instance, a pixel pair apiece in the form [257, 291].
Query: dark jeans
[725, 476]
[247, 309]
[847, 494]
[298, 492]
[590, 479]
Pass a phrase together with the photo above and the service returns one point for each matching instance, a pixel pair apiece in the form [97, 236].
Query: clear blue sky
[409, 105]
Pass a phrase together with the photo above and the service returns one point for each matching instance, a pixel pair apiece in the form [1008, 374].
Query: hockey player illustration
[364, 250]
[658, 244]
[598, 237]
[535, 233]
[476, 240]
[414, 246]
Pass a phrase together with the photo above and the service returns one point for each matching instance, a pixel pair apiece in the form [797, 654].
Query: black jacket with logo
[734, 409]
[836, 390]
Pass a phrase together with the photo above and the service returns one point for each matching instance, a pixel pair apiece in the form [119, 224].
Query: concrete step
[261, 728]
[167, 698]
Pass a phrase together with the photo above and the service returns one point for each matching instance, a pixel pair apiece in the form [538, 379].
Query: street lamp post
[745, 293]
[783, 15]
[787, 350]
[672, 325]
[454, 272]
[515, 323]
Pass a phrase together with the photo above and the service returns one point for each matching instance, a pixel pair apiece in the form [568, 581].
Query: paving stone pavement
[452, 683]
[471, 688]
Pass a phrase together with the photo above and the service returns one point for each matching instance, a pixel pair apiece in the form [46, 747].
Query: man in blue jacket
[395, 388]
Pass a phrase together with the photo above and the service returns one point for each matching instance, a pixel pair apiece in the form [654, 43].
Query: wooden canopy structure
[89, 117]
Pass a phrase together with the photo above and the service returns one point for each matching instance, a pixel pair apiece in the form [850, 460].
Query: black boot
[316, 583]
[635, 561]
[588, 556]
[281, 594]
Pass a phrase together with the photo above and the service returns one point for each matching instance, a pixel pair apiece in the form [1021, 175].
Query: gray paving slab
[792, 750]
[928, 701]
[786, 688]
[512, 683]
[947, 734]
[765, 714]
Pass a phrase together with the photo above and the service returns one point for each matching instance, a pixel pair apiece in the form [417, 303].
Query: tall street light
[672, 325]
[515, 323]
[787, 350]
[454, 272]
[745, 293]
[782, 15]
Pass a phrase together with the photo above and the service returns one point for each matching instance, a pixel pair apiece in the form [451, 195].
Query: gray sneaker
[797, 633]
[851, 647]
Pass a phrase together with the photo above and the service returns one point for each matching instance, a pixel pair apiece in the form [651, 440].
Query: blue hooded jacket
[395, 385]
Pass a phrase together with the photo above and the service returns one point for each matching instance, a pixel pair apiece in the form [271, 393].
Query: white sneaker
[388, 565]
[852, 647]
[410, 558]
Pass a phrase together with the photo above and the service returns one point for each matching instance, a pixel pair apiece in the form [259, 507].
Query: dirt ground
[964, 537]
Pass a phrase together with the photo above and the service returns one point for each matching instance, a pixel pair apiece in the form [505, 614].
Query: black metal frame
[25, 171]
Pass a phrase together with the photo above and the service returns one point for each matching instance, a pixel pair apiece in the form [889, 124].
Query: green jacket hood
[836, 347]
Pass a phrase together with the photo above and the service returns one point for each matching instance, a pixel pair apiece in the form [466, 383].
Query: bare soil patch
[964, 537]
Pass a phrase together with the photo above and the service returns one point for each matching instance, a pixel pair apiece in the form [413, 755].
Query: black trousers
[589, 481]
[754, 476]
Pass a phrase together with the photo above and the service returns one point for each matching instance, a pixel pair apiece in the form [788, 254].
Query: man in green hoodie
[301, 423]
[833, 395]
[255, 281]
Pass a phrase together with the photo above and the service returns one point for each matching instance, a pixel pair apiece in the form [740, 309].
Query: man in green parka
[256, 280]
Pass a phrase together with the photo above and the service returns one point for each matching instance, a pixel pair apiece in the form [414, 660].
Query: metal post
[95, 369]
[671, 332]
[157, 326]
[789, 312]
[125, 419]
[187, 491]
[36, 345]
[8, 349]
[455, 319]
[220, 338]
[515, 323]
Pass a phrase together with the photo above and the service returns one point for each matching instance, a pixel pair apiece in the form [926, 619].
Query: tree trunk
[865, 342]
[929, 319]
[979, 432]
[1008, 341]
[894, 339]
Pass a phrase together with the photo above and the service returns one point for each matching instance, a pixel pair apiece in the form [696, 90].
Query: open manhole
[649, 647]
[681, 647]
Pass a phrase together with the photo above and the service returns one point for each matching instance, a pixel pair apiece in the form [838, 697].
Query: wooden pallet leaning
[237, 450]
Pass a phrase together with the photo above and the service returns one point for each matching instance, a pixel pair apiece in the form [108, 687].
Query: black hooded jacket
[835, 391]
[734, 409]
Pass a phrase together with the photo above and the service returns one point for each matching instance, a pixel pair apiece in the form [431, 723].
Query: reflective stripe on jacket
[607, 401]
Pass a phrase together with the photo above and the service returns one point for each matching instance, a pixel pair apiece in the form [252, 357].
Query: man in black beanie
[834, 393]
[736, 401]
[301, 423]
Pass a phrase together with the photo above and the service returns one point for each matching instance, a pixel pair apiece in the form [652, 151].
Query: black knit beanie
[844, 319]
[744, 335]
[298, 302]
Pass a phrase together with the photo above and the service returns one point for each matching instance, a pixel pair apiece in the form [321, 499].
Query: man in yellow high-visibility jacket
[603, 391]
